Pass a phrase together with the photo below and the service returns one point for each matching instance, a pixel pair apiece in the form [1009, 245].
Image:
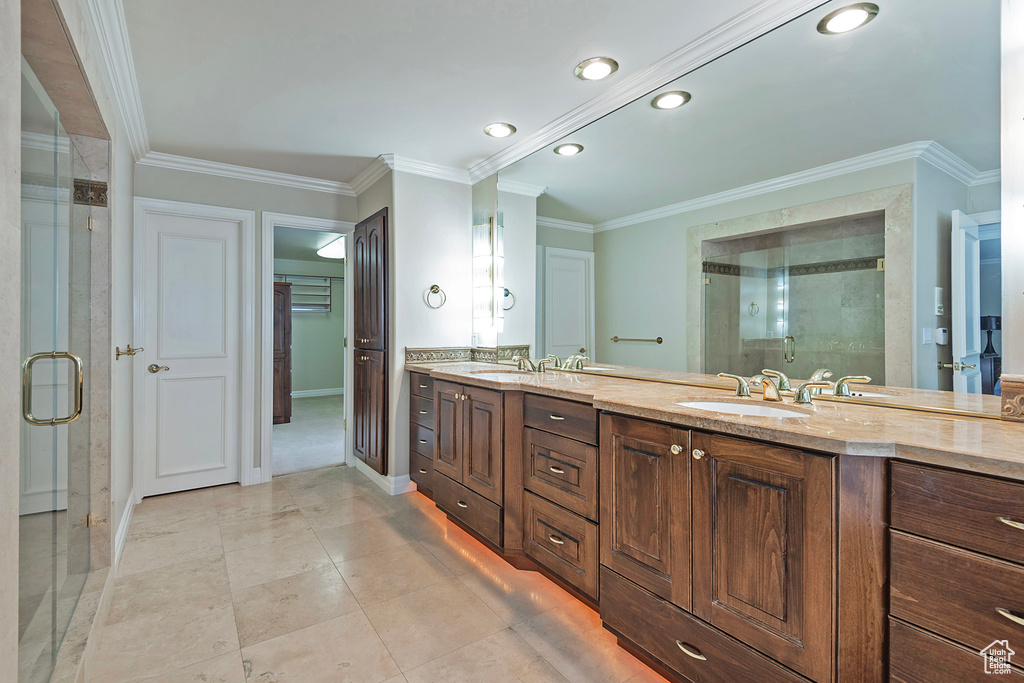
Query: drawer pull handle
[423, 412]
[461, 504]
[423, 386]
[557, 418]
[556, 470]
[1010, 522]
[1010, 615]
[695, 653]
[555, 539]
[423, 441]
[423, 470]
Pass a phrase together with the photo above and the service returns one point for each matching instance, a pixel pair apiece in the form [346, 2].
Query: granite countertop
[979, 445]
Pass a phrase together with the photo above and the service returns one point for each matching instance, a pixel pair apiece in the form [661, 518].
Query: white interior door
[966, 304]
[568, 302]
[191, 317]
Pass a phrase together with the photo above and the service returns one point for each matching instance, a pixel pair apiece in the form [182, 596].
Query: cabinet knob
[697, 454]
[676, 450]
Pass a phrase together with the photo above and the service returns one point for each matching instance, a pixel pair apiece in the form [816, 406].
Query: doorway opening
[305, 336]
[991, 290]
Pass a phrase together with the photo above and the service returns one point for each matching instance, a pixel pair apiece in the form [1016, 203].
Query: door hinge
[344, 424]
[881, 265]
[707, 281]
[93, 520]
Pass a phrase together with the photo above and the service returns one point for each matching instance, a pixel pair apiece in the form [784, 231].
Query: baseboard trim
[122, 529]
[393, 486]
[310, 393]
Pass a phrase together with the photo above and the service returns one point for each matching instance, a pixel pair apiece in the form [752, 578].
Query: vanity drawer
[955, 593]
[562, 470]
[421, 471]
[663, 630]
[563, 542]
[974, 512]
[566, 418]
[472, 509]
[421, 440]
[919, 657]
[421, 385]
[421, 411]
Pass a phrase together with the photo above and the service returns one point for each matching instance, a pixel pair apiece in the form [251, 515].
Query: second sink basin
[745, 409]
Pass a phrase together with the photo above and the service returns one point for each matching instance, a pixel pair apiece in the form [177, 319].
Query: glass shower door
[54, 458]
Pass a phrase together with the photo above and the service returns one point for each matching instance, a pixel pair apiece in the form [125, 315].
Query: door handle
[26, 388]
[154, 368]
[789, 349]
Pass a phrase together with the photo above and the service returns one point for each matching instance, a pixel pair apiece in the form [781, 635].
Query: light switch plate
[926, 336]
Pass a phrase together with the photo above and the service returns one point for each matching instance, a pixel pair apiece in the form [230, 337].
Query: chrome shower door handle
[789, 349]
[26, 388]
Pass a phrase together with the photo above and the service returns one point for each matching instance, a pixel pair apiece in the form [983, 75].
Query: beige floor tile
[423, 522]
[262, 529]
[339, 512]
[152, 521]
[391, 573]
[512, 594]
[279, 607]
[342, 649]
[243, 503]
[158, 590]
[400, 503]
[272, 561]
[648, 676]
[572, 639]
[226, 668]
[501, 658]
[156, 644]
[431, 622]
[456, 549]
[363, 538]
[140, 555]
[397, 679]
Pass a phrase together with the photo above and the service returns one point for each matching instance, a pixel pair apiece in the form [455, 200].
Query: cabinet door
[645, 511]
[370, 293]
[282, 352]
[377, 407]
[762, 549]
[448, 411]
[360, 405]
[482, 438]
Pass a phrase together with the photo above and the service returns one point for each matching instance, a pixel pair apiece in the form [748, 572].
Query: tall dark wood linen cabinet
[370, 322]
[282, 352]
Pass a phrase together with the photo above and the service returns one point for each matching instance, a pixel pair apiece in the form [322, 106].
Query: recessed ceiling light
[670, 99]
[596, 68]
[335, 249]
[569, 149]
[499, 130]
[846, 19]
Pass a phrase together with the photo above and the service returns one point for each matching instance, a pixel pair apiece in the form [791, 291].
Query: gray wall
[318, 352]
[564, 239]
[10, 322]
[519, 216]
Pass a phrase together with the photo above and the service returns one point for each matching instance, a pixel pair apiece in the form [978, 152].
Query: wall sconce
[489, 275]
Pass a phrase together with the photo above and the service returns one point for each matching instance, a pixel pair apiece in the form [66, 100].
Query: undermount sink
[744, 409]
[854, 393]
[500, 372]
[502, 375]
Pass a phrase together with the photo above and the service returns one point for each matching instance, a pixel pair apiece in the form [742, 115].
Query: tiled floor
[320, 576]
[314, 438]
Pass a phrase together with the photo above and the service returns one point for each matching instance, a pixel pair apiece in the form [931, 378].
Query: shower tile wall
[804, 288]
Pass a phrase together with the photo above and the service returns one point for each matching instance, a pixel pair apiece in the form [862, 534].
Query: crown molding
[753, 23]
[545, 222]
[111, 29]
[373, 172]
[426, 168]
[986, 177]
[215, 168]
[44, 143]
[928, 151]
[516, 187]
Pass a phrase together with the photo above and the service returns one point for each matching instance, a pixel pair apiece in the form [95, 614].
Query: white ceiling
[301, 245]
[790, 101]
[321, 87]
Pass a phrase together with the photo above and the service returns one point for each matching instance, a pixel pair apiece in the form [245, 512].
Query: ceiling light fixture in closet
[335, 249]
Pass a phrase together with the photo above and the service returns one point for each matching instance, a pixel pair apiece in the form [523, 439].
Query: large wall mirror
[816, 200]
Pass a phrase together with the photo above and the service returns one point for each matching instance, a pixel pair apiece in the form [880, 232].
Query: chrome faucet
[843, 384]
[804, 391]
[781, 381]
[556, 362]
[524, 363]
[543, 363]
[771, 392]
[570, 362]
[580, 360]
[742, 388]
[820, 375]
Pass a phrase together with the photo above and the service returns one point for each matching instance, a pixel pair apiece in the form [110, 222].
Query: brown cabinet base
[916, 656]
[563, 542]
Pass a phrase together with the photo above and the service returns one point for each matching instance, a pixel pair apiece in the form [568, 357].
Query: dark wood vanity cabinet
[763, 548]
[645, 506]
[421, 430]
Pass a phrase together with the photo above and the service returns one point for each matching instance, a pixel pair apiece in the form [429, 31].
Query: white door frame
[247, 329]
[587, 256]
[271, 220]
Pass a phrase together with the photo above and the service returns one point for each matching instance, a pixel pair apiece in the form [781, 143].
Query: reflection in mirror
[819, 201]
